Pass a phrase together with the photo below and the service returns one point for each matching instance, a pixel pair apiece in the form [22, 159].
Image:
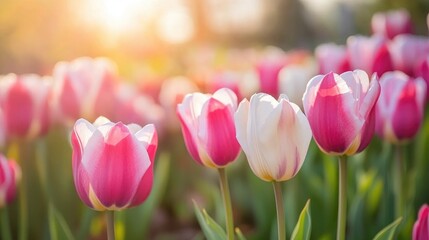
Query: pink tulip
[421, 226]
[10, 174]
[113, 163]
[391, 23]
[25, 103]
[341, 111]
[274, 135]
[400, 108]
[208, 127]
[268, 69]
[332, 58]
[84, 88]
[408, 52]
[369, 54]
[423, 71]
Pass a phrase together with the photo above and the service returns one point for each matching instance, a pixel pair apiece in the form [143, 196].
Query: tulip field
[325, 140]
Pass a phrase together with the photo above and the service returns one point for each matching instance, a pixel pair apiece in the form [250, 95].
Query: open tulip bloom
[275, 136]
[341, 112]
[113, 163]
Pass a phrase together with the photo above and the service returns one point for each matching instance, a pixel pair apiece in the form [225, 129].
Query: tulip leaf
[211, 229]
[58, 228]
[388, 232]
[239, 234]
[303, 226]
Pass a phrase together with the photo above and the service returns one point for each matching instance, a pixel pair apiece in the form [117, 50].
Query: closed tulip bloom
[421, 226]
[25, 103]
[268, 68]
[391, 23]
[400, 108]
[341, 111]
[332, 58]
[274, 135]
[113, 163]
[423, 71]
[10, 174]
[408, 52]
[208, 127]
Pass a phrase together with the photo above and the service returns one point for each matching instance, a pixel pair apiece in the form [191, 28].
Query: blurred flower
[293, 79]
[268, 68]
[208, 127]
[400, 107]
[332, 58]
[421, 226]
[225, 79]
[341, 111]
[10, 174]
[408, 52]
[369, 54]
[391, 23]
[423, 71]
[84, 88]
[25, 103]
[274, 135]
[113, 163]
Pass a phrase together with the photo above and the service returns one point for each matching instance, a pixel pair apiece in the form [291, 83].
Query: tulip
[113, 163]
[421, 226]
[369, 54]
[423, 71]
[332, 58]
[408, 52]
[208, 127]
[84, 88]
[391, 23]
[268, 68]
[341, 111]
[400, 108]
[25, 103]
[10, 174]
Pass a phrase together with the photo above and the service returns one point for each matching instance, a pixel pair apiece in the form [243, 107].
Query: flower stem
[281, 225]
[227, 202]
[342, 199]
[22, 158]
[110, 221]
[5, 226]
[399, 190]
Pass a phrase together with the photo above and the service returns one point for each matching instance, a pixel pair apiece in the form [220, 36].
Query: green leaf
[211, 229]
[303, 226]
[239, 234]
[388, 232]
[58, 228]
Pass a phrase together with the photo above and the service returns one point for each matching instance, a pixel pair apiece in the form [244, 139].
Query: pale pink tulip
[10, 174]
[113, 163]
[392, 23]
[423, 71]
[332, 58]
[421, 226]
[341, 111]
[268, 68]
[408, 52]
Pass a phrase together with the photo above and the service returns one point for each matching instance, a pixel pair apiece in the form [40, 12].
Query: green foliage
[211, 229]
[302, 229]
[388, 232]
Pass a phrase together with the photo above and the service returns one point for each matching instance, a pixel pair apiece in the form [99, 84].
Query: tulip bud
[208, 127]
[113, 163]
[10, 174]
[391, 23]
[421, 227]
[274, 135]
[25, 102]
[341, 111]
[400, 107]
[268, 69]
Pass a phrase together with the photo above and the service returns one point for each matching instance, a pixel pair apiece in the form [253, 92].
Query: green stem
[110, 221]
[5, 226]
[342, 199]
[23, 205]
[227, 202]
[42, 167]
[281, 225]
[399, 190]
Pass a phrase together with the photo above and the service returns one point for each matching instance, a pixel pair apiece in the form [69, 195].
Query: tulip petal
[144, 188]
[84, 131]
[149, 137]
[226, 96]
[241, 117]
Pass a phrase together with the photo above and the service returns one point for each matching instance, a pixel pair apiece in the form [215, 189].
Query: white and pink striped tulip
[400, 108]
[332, 58]
[113, 163]
[10, 174]
[408, 52]
[208, 127]
[392, 23]
[274, 135]
[341, 111]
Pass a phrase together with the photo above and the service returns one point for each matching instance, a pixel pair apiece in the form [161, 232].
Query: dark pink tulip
[421, 226]
[341, 111]
[113, 163]
[392, 23]
[25, 103]
[84, 88]
[268, 69]
[208, 127]
[408, 52]
[10, 174]
[369, 54]
[400, 107]
[332, 58]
